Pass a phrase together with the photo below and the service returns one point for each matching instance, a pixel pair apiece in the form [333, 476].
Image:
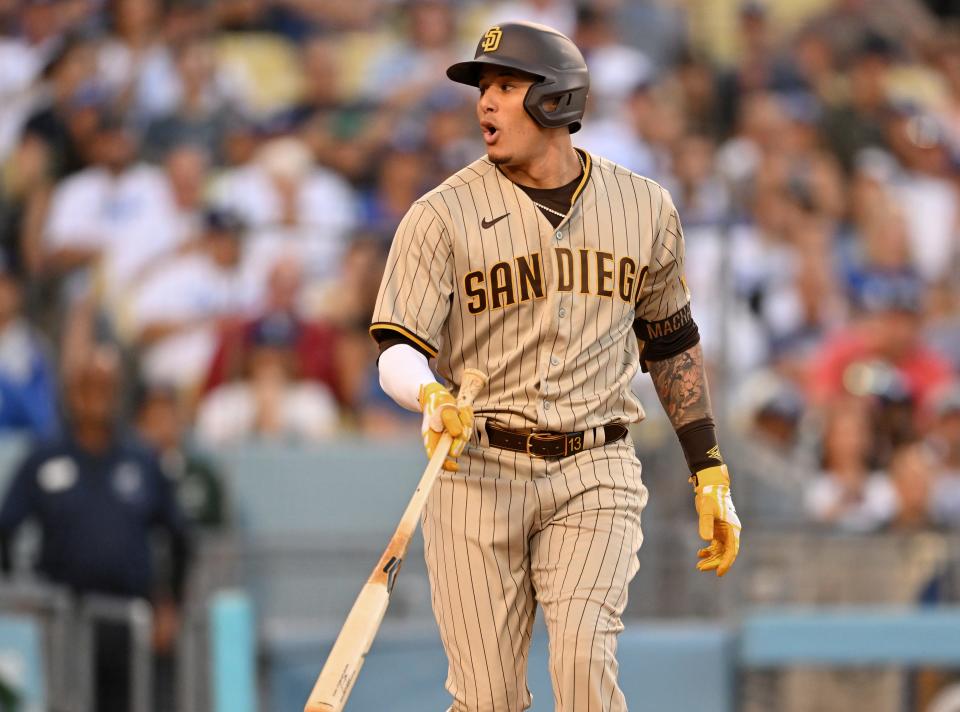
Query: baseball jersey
[477, 277]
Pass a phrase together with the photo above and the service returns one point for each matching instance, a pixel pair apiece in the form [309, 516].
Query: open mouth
[490, 132]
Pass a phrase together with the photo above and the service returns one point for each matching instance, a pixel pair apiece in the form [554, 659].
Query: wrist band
[699, 442]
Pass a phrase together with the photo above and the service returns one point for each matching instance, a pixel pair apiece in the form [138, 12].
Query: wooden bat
[340, 672]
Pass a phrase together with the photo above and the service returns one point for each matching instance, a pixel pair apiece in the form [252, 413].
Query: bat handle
[470, 386]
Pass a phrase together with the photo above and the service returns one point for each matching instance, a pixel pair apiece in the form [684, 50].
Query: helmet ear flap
[568, 108]
[554, 103]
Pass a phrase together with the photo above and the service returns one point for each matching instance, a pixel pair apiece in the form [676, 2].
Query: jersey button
[546, 405]
[562, 312]
[559, 235]
[554, 361]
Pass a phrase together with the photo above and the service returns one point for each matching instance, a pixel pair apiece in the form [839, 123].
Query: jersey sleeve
[415, 294]
[663, 292]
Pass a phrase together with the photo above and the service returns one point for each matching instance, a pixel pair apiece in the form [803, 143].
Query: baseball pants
[510, 531]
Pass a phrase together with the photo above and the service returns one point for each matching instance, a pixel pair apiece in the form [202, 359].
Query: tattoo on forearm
[681, 384]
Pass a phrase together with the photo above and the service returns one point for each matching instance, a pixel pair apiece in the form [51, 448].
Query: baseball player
[557, 273]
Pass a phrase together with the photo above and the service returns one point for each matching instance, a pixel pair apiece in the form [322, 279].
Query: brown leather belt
[547, 444]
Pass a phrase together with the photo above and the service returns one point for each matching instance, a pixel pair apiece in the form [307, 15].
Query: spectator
[858, 123]
[615, 67]
[761, 261]
[925, 188]
[801, 314]
[178, 311]
[271, 402]
[760, 67]
[197, 482]
[135, 63]
[183, 19]
[630, 136]
[765, 449]
[22, 56]
[912, 473]
[202, 113]
[399, 182]
[761, 124]
[49, 145]
[848, 24]
[292, 207]
[187, 172]
[944, 442]
[63, 119]
[109, 221]
[343, 131]
[847, 495]
[23, 200]
[317, 343]
[448, 138]
[97, 499]
[883, 350]
[876, 241]
[698, 192]
[348, 304]
[816, 66]
[694, 82]
[28, 400]
[403, 71]
[324, 92]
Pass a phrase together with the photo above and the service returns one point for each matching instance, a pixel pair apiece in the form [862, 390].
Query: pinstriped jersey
[477, 277]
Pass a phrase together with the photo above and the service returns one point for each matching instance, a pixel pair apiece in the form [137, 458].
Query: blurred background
[196, 200]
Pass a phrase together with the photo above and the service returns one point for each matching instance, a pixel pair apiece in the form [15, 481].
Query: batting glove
[441, 415]
[719, 523]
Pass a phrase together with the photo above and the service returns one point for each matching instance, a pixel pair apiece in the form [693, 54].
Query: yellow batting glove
[441, 415]
[719, 523]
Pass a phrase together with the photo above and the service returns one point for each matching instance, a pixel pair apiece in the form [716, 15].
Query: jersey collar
[587, 168]
[587, 165]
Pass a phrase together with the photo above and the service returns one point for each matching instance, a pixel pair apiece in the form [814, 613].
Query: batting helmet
[543, 52]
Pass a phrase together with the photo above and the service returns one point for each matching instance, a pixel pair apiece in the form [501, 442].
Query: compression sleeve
[403, 370]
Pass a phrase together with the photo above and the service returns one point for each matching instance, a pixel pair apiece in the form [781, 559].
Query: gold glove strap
[718, 475]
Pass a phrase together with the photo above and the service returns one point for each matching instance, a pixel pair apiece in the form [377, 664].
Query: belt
[548, 444]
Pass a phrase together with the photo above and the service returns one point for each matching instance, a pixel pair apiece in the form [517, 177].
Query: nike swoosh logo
[490, 223]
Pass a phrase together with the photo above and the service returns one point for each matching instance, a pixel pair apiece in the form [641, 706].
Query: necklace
[583, 168]
[550, 210]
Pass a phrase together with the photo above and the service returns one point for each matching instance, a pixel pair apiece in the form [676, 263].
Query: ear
[552, 104]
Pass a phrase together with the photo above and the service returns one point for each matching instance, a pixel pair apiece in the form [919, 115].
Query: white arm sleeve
[403, 370]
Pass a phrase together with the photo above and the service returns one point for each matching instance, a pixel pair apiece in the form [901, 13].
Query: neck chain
[583, 169]
[550, 210]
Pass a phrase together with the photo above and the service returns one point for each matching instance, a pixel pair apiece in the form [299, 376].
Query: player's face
[511, 135]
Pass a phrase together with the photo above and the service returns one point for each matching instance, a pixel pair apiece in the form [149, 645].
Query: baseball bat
[340, 672]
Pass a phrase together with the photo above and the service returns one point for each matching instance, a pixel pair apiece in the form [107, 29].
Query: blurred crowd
[210, 186]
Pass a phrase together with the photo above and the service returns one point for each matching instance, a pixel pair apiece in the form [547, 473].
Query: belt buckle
[529, 439]
[549, 437]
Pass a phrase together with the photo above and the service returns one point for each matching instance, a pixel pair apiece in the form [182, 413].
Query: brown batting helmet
[543, 52]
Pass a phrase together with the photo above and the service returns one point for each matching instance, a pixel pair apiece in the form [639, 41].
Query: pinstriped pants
[508, 532]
